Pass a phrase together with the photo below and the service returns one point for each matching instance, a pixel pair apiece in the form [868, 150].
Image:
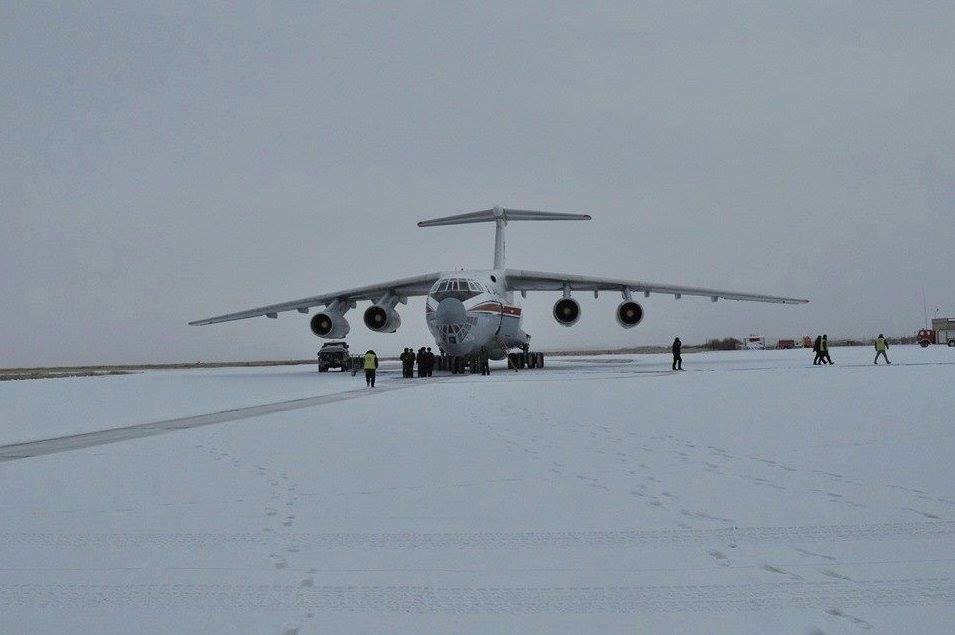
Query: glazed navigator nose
[450, 311]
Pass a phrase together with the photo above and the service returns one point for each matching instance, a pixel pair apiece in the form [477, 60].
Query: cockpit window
[460, 288]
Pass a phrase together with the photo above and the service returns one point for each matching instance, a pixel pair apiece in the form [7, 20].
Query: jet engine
[329, 325]
[629, 314]
[382, 318]
[567, 311]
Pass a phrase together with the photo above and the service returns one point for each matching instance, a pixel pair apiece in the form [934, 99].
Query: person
[512, 361]
[881, 348]
[484, 362]
[817, 349]
[422, 362]
[824, 349]
[677, 358]
[430, 361]
[371, 365]
[407, 363]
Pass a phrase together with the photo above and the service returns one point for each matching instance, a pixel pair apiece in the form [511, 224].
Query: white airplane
[468, 311]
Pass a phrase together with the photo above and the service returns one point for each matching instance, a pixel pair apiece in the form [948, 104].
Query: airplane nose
[450, 311]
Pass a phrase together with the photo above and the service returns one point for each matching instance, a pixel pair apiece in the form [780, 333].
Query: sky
[165, 162]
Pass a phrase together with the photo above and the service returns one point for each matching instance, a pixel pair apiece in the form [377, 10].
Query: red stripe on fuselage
[495, 307]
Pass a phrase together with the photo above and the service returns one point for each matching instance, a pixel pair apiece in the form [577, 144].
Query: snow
[751, 493]
[38, 409]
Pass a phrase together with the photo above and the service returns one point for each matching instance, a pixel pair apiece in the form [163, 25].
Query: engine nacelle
[629, 314]
[329, 325]
[567, 311]
[382, 319]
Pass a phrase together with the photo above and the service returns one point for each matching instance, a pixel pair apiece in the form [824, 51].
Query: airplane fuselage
[470, 310]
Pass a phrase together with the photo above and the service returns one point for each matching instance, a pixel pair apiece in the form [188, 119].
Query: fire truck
[942, 332]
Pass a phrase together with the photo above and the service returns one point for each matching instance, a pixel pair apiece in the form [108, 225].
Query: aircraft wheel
[540, 360]
[951, 343]
[532, 360]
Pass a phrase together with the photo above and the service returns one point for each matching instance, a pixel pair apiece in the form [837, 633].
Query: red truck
[942, 332]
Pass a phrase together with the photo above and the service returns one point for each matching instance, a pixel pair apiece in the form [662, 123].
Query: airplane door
[499, 319]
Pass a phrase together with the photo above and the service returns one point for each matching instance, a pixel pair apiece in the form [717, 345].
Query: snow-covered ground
[751, 493]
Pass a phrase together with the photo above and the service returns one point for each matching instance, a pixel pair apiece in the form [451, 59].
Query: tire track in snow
[53, 445]
[498, 539]
[510, 600]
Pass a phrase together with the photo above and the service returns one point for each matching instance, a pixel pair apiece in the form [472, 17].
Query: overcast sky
[164, 164]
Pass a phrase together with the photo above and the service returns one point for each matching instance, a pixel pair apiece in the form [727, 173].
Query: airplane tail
[500, 216]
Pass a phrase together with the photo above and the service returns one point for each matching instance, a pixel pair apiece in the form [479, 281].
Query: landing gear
[458, 365]
[525, 360]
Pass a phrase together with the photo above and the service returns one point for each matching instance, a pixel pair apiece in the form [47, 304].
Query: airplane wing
[405, 287]
[520, 280]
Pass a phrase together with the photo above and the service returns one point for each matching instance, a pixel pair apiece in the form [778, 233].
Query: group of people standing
[424, 358]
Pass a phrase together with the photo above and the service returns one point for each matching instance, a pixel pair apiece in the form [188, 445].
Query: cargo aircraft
[471, 310]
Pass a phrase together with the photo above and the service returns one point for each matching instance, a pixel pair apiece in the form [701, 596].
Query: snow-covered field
[751, 493]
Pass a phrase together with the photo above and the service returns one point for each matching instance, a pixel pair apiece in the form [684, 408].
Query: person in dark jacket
[407, 363]
[817, 349]
[484, 362]
[430, 361]
[824, 349]
[421, 358]
[677, 358]
[370, 363]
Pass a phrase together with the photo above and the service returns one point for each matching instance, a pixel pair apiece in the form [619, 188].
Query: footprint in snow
[923, 514]
[806, 552]
[773, 569]
[720, 557]
[858, 621]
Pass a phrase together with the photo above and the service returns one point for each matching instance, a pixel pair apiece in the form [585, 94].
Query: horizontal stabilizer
[500, 216]
[500, 213]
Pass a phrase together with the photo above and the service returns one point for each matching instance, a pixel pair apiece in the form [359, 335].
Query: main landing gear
[525, 359]
[471, 365]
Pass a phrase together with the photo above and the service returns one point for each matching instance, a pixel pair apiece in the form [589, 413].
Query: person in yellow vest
[881, 348]
[371, 365]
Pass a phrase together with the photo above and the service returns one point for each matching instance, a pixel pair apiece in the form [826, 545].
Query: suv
[333, 355]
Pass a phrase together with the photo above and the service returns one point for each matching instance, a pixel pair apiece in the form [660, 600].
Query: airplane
[474, 310]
